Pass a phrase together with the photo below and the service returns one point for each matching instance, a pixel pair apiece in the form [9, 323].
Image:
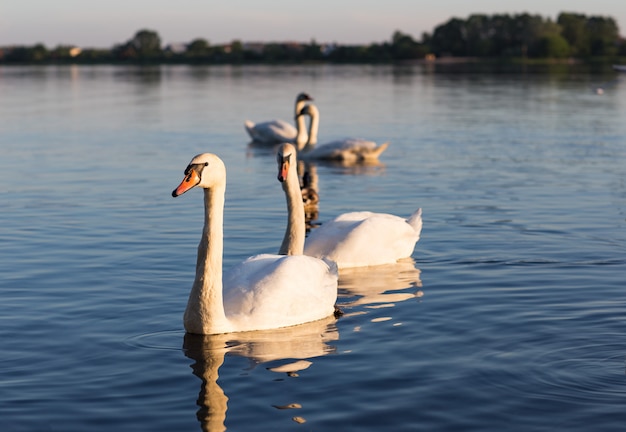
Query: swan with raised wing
[355, 239]
[278, 131]
[263, 292]
[351, 150]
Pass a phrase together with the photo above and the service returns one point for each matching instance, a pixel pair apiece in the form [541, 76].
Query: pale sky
[105, 23]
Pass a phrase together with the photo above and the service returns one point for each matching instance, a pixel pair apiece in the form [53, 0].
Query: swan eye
[194, 171]
[281, 158]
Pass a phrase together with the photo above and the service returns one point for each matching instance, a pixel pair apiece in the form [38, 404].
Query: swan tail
[415, 220]
[378, 151]
[332, 266]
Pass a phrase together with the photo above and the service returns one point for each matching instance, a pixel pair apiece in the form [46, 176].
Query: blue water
[510, 315]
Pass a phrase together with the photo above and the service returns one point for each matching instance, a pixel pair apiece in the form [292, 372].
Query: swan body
[359, 239]
[277, 131]
[350, 150]
[356, 239]
[264, 291]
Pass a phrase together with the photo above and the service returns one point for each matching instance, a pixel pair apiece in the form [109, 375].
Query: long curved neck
[301, 136]
[293, 242]
[205, 307]
[313, 127]
[300, 103]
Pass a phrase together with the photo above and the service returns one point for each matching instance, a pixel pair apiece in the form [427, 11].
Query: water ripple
[588, 373]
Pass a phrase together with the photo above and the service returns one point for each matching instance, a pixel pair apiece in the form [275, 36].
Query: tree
[198, 48]
[403, 47]
[553, 46]
[574, 30]
[603, 36]
[450, 39]
[35, 54]
[146, 43]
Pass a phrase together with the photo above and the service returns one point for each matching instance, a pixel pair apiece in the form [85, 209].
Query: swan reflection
[296, 345]
[380, 285]
[309, 183]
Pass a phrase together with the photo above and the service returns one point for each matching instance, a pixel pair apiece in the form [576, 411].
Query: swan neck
[293, 241]
[313, 127]
[205, 308]
[299, 105]
[301, 136]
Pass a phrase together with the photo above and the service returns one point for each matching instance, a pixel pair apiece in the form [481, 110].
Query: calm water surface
[511, 315]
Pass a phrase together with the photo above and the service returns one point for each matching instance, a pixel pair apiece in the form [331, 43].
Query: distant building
[75, 51]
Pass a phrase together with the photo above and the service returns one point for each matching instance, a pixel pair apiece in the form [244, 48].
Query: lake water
[511, 316]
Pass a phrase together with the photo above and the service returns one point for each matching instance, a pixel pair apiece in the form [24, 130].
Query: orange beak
[282, 172]
[191, 180]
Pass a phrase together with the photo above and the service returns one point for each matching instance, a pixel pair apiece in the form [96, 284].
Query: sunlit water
[511, 316]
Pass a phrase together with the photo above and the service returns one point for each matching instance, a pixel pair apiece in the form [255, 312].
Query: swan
[277, 131]
[349, 150]
[364, 238]
[356, 239]
[264, 291]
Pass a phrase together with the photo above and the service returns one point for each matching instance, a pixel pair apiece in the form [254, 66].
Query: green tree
[198, 48]
[450, 39]
[236, 51]
[574, 30]
[147, 44]
[34, 54]
[403, 47]
[553, 46]
[603, 36]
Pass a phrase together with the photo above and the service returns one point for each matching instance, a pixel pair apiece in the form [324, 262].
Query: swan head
[205, 170]
[303, 97]
[285, 156]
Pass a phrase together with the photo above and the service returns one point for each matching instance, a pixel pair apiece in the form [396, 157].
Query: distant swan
[264, 291]
[356, 239]
[346, 150]
[278, 131]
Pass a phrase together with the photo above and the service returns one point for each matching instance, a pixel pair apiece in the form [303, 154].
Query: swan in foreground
[347, 150]
[264, 291]
[356, 239]
[278, 131]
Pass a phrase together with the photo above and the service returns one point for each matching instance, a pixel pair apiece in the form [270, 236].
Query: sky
[103, 24]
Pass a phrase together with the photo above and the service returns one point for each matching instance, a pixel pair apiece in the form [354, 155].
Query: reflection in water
[384, 284]
[309, 183]
[299, 343]
[307, 172]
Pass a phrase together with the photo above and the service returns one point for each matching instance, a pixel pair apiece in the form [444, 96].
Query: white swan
[277, 131]
[364, 238]
[264, 291]
[356, 239]
[347, 150]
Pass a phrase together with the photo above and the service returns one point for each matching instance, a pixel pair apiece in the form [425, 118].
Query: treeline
[500, 36]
